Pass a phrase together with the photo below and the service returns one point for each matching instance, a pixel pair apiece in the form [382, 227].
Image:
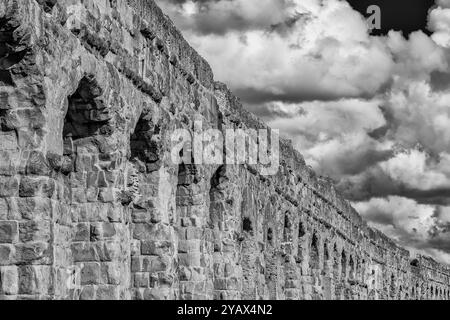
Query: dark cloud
[293, 95]
[440, 81]
[376, 183]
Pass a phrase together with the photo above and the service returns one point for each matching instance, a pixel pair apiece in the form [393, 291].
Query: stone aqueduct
[91, 207]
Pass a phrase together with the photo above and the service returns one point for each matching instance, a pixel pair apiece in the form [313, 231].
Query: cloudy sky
[369, 109]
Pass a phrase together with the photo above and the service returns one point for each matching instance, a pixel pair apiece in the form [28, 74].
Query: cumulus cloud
[325, 53]
[222, 16]
[422, 227]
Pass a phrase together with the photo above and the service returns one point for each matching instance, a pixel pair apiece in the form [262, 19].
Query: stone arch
[336, 272]
[314, 255]
[270, 236]
[301, 235]
[12, 51]
[326, 258]
[217, 198]
[86, 128]
[392, 286]
[336, 263]
[87, 114]
[351, 268]
[357, 267]
[343, 265]
[287, 228]
[247, 225]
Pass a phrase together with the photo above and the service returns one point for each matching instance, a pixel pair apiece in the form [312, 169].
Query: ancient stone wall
[93, 207]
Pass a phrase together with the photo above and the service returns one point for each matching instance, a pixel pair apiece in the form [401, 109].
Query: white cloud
[409, 223]
[326, 53]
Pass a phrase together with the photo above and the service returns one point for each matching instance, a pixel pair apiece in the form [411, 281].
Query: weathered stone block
[9, 280]
[34, 231]
[32, 208]
[9, 186]
[37, 164]
[90, 273]
[156, 248]
[7, 254]
[87, 293]
[36, 187]
[141, 280]
[9, 231]
[105, 292]
[82, 232]
[35, 280]
[34, 253]
[111, 273]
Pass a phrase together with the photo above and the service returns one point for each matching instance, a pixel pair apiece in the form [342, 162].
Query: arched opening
[86, 125]
[314, 258]
[12, 52]
[301, 230]
[343, 265]
[145, 144]
[218, 200]
[336, 273]
[363, 271]
[392, 289]
[247, 225]
[300, 242]
[326, 259]
[414, 263]
[87, 113]
[287, 234]
[351, 265]
[270, 236]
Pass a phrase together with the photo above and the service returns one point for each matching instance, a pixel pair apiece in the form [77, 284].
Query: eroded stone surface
[92, 207]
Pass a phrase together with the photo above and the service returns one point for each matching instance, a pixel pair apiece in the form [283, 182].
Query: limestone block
[9, 231]
[9, 280]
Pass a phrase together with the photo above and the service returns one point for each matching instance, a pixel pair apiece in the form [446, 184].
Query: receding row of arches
[429, 292]
[321, 254]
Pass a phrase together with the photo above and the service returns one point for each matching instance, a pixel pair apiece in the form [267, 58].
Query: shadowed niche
[87, 114]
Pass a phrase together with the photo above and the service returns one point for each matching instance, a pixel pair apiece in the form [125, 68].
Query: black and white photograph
[225, 150]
